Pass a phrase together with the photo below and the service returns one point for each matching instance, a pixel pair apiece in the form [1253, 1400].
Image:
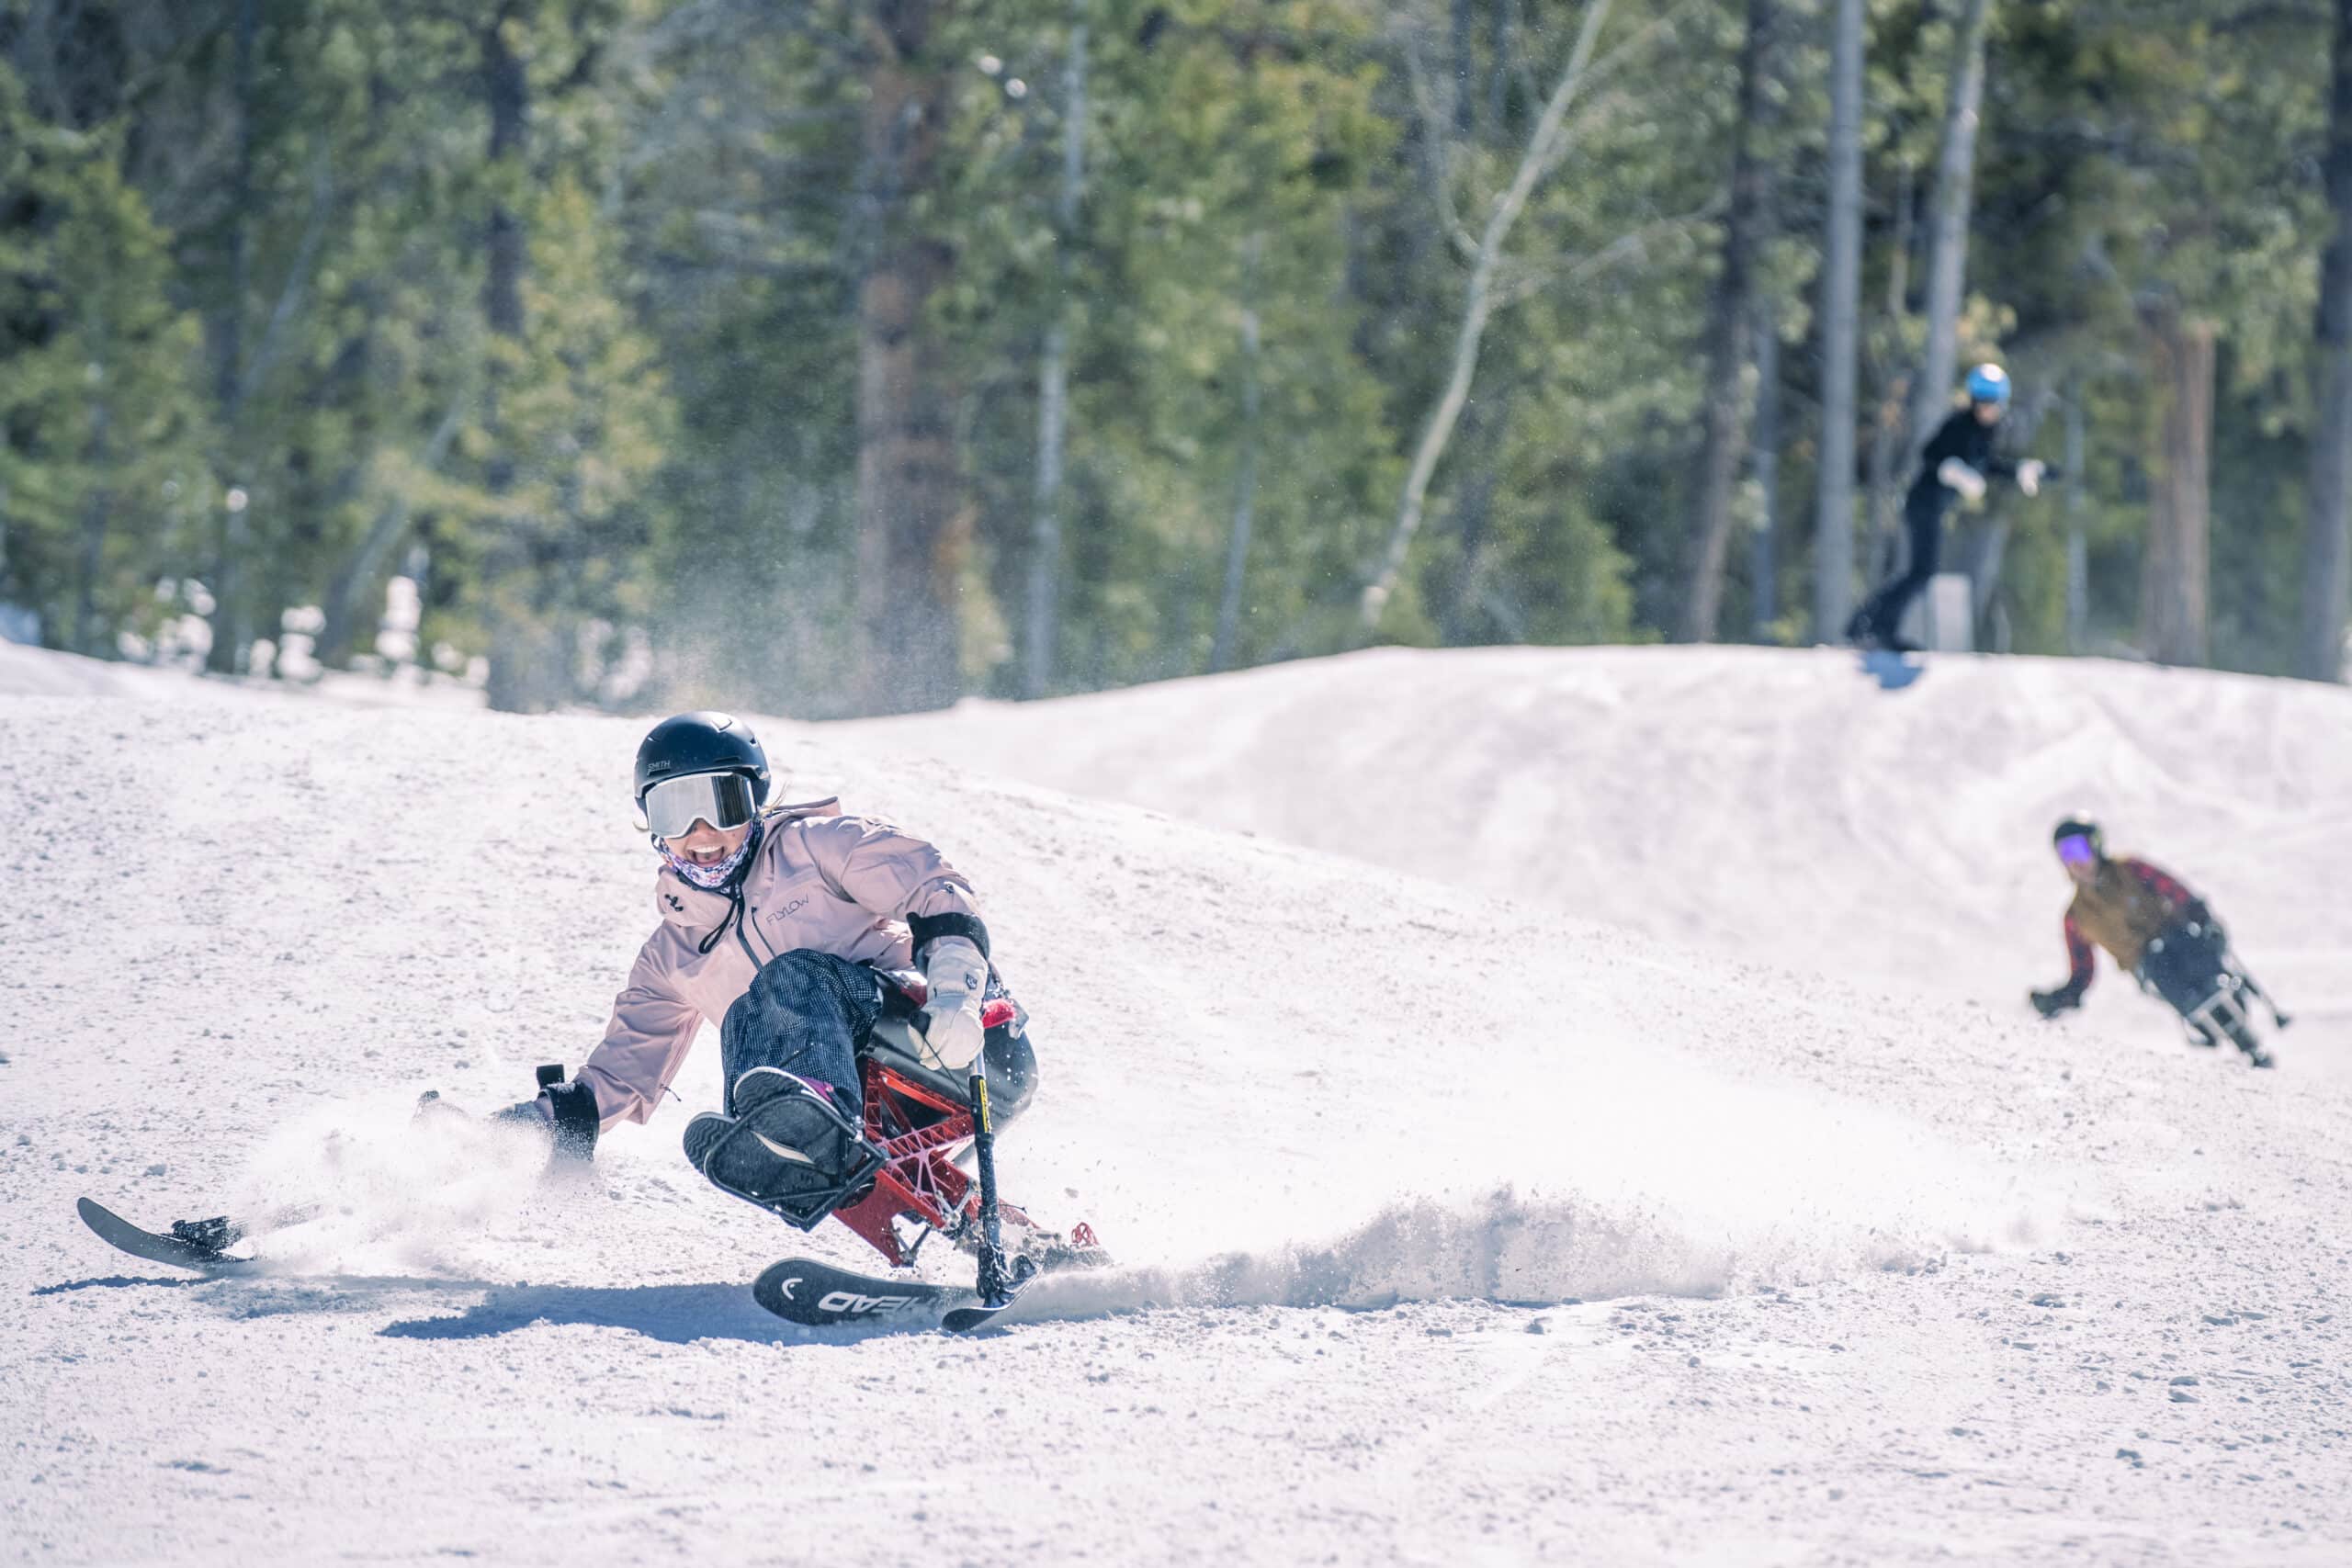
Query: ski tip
[964, 1319]
[121, 1235]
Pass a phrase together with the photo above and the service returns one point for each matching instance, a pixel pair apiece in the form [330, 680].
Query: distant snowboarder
[785, 925]
[1957, 461]
[2157, 930]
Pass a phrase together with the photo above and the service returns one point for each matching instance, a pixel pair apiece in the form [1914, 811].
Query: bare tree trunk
[339, 636]
[1888, 432]
[1053, 382]
[97, 504]
[523, 676]
[1728, 319]
[2327, 536]
[1486, 428]
[1046, 535]
[1498, 78]
[911, 534]
[1245, 484]
[1986, 551]
[1832, 549]
[1543, 147]
[508, 91]
[95, 507]
[229, 631]
[2173, 584]
[1465, 113]
[2078, 554]
[1764, 473]
[1948, 236]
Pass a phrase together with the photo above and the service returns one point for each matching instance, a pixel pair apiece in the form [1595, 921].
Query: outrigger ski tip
[197, 1245]
[964, 1319]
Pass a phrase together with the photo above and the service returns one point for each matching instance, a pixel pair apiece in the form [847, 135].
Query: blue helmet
[1988, 384]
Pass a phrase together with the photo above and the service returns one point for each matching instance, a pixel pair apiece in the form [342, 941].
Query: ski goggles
[2076, 849]
[724, 800]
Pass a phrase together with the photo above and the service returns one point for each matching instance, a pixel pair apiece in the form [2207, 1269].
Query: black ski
[818, 1295]
[198, 1245]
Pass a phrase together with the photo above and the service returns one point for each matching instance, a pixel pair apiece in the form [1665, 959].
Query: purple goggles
[2077, 850]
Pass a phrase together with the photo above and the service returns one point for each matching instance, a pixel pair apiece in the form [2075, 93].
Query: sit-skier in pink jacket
[778, 923]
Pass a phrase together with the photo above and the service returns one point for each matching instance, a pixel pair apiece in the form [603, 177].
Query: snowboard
[179, 1251]
[1891, 669]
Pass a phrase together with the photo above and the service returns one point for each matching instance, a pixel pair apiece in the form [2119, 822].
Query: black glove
[2050, 1004]
[575, 1120]
[430, 1107]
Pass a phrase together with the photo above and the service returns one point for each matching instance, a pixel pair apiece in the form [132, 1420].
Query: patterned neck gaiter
[713, 877]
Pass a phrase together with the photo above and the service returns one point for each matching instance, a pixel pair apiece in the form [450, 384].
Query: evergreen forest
[842, 356]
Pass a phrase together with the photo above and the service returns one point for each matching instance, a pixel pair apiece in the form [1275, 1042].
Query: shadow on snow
[111, 1282]
[678, 1315]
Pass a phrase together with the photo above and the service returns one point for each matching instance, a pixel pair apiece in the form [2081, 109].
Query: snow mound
[40, 672]
[1770, 806]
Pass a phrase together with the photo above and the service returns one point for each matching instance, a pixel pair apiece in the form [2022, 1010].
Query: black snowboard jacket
[1968, 438]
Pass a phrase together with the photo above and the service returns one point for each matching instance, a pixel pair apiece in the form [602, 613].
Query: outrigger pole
[995, 1284]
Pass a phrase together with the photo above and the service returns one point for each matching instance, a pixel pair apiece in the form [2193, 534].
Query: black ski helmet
[700, 744]
[2080, 827]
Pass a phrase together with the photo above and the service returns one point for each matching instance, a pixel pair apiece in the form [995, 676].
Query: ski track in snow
[1548, 1106]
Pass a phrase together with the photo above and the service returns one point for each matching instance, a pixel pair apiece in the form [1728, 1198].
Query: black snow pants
[1923, 528]
[810, 1013]
[2185, 968]
[807, 1012]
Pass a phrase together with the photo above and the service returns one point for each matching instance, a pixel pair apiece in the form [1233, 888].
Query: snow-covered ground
[1628, 1147]
[1776, 806]
[34, 672]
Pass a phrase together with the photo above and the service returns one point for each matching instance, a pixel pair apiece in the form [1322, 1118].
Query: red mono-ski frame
[917, 1128]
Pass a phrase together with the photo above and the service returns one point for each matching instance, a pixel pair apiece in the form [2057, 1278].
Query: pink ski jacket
[819, 880]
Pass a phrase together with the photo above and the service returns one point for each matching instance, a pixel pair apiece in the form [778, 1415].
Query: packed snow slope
[1778, 807]
[1452, 1228]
